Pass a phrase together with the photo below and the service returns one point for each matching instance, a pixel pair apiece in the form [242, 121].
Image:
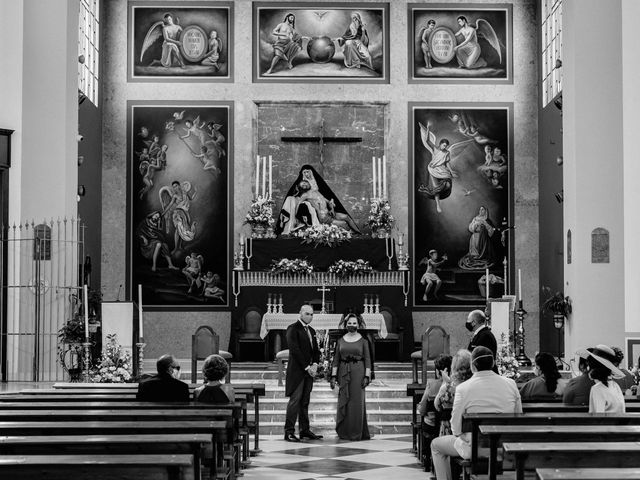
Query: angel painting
[188, 42]
[175, 201]
[169, 30]
[185, 183]
[464, 43]
[468, 52]
[441, 174]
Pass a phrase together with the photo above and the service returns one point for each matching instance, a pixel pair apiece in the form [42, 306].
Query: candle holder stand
[86, 363]
[521, 356]
[140, 355]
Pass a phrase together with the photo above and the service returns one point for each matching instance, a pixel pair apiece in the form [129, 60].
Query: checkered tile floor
[383, 457]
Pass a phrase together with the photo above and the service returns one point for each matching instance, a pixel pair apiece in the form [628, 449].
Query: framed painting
[180, 166]
[321, 42]
[461, 201]
[460, 43]
[171, 41]
[632, 355]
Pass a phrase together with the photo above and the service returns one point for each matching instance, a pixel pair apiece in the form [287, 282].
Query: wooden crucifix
[324, 289]
[322, 139]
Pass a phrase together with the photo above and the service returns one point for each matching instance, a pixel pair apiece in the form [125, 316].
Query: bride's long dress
[351, 359]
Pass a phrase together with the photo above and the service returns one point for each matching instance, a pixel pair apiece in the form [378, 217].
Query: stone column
[594, 173]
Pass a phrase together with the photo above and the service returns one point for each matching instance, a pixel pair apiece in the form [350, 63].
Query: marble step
[262, 375]
[373, 393]
[328, 428]
[329, 403]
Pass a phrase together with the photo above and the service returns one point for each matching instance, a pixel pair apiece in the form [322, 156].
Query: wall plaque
[600, 245]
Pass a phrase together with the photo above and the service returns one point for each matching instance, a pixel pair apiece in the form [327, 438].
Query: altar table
[326, 321]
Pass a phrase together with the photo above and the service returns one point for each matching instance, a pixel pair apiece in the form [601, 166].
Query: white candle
[486, 276]
[257, 175]
[373, 165]
[241, 239]
[519, 284]
[264, 177]
[270, 170]
[379, 177]
[86, 312]
[401, 238]
[384, 175]
[140, 323]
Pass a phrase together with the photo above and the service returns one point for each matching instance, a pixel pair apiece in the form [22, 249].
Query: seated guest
[214, 369]
[578, 388]
[442, 366]
[484, 392]
[605, 396]
[165, 386]
[460, 372]
[628, 380]
[547, 384]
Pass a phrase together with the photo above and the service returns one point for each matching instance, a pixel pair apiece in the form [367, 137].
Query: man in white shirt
[484, 392]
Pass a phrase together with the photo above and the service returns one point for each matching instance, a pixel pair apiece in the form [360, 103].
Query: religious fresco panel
[461, 184]
[321, 42]
[461, 43]
[180, 41]
[179, 163]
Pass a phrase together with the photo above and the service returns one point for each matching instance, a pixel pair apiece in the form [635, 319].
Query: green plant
[557, 303]
[72, 331]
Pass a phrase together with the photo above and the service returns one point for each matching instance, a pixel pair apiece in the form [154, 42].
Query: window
[88, 46]
[551, 49]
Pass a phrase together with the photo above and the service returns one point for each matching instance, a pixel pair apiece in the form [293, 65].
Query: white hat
[603, 354]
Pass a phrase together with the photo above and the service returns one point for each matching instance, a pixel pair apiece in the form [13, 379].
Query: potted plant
[558, 304]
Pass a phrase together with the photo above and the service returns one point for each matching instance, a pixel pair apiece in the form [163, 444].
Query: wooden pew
[570, 454]
[554, 433]
[216, 430]
[115, 444]
[97, 467]
[471, 422]
[588, 473]
[127, 391]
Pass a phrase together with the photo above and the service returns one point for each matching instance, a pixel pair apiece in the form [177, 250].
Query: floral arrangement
[506, 361]
[291, 266]
[380, 217]
[326, 355]
[260, 213]
[115, 365]
[344, 268]
[324, 234]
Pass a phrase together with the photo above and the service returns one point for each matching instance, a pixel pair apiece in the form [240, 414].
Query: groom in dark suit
[304, 356]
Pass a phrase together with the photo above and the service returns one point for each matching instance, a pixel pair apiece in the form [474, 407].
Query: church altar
[322, 321]
[253, 284]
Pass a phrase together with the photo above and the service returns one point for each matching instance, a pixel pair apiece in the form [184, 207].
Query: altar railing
[254, 279]
[267, 279]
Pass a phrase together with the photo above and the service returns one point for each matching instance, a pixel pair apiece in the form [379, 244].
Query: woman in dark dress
[214, 369]
[351, 370]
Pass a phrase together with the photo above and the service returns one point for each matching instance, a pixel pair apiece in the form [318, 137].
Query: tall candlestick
[270, 170]
[140, 322]
[264, 177]
[486, 282]
[384, 176]
[373, 168]
[379, 177]
[401, 238]
[519, 284]
[86, 311]
[257, 175]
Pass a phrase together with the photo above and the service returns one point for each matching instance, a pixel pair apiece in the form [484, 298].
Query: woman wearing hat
[605, 396]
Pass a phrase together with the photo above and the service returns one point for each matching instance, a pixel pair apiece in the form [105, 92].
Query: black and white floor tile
[383, 457]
